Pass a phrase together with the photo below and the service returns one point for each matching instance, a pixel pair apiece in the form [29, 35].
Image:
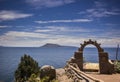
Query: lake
[57, 57]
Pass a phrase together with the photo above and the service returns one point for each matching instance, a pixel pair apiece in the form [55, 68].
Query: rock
[48, 71]
[60, 71]
[61, 76]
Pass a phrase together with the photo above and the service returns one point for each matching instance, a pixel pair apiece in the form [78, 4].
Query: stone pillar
[103, 63]
[79, 59]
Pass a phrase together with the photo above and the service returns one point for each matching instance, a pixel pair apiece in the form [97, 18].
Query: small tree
[26, 68]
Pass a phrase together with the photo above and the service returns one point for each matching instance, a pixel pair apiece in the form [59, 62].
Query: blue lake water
[57, 57]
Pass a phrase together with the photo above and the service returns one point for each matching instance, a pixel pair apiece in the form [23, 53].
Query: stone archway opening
[90, 59]
[105, 65]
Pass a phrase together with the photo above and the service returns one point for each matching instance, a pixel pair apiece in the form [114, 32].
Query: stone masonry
[105, 66]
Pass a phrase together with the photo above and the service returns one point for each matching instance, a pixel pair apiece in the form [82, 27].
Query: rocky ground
[104, 77]
[61, 76]
[107, 78]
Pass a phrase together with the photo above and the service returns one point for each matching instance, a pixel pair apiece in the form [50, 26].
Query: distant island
[51, 45]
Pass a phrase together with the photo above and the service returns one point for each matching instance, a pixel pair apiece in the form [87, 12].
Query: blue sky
[32, 23]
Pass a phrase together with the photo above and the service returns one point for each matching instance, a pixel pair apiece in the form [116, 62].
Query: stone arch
[97, 45]
[104, 64]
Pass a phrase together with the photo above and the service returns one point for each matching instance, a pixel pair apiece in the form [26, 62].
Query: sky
[32, 23]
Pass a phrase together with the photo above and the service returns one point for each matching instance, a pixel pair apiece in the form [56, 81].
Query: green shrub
[46, 79]
[29, 71]
[26, 68]
[117, 67]
[32, 78]
[54, 80]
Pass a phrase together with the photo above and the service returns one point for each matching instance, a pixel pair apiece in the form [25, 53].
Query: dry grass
[91, 66]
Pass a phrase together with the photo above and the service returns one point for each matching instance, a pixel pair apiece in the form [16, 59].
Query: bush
[32, 78]
[46, 79]
[26, 68]
[117, 67]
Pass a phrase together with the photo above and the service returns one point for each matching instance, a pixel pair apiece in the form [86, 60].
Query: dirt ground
[94, 66]
[107, 78]
[104, 77]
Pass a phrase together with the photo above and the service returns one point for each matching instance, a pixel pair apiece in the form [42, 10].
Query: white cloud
[16, 38]
[4, 26]
[46, 30]
[62, 30]
[68, 29]
[11, 15]
[75, 41]
[25, 34]
[111, 42]
[48, 3]
[23, 39]
[44, 35]
[65, 21]
[100, 10]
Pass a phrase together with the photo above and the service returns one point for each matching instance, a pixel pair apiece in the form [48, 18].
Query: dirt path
[107, 78]
[104, 77]
[61, 76]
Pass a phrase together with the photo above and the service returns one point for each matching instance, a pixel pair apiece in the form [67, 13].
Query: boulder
[48, 71]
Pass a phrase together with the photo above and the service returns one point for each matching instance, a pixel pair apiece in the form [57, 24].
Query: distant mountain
[50, 45]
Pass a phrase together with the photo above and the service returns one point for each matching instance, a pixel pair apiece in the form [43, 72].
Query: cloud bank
[58, 35]
[12, 15]
[65, 21]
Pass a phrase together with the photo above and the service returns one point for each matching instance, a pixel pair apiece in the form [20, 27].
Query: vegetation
[29, 71]
[33, 78]
[117, 66]
[46, 79]
[26, 68]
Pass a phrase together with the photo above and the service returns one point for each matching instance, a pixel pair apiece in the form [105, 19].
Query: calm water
[57, 57]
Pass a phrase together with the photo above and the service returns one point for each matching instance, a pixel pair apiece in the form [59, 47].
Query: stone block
[78, 55]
